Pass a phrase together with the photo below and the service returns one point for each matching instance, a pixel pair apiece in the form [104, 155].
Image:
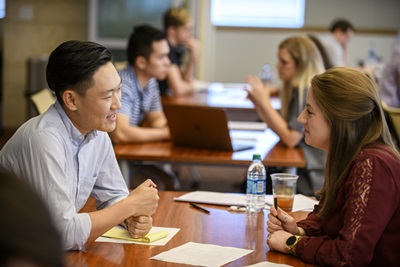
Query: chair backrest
[42, 99]
[120, 65]
[394, 115]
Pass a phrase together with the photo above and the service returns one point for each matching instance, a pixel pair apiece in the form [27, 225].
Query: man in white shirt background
[336, 42]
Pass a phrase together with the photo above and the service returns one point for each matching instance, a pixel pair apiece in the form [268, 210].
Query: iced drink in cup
[284, 189]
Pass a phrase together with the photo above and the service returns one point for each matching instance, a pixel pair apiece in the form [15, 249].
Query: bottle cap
[257, 156]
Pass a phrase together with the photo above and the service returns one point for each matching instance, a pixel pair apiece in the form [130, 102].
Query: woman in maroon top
[357, 222]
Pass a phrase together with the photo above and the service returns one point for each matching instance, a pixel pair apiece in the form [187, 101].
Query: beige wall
[240, 51]
[31, 29]
[35, 27]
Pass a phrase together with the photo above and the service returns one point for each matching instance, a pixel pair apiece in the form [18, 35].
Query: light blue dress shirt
[66, 168]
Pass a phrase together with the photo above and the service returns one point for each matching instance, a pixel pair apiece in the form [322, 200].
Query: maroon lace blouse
[364, 226]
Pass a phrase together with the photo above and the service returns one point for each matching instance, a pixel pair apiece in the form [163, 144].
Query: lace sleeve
[360, 215]
[312, 224]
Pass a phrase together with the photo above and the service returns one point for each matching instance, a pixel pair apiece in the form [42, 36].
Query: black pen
[199, 208]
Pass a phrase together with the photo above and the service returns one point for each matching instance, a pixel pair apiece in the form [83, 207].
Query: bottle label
[256, 187]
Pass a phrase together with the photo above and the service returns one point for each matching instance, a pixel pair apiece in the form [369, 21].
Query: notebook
[202, 127]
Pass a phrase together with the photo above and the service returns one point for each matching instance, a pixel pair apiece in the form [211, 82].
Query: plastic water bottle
[266, 73]
[372, 57]
[256, 185]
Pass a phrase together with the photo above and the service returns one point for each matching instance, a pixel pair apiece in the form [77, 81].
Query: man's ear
[141, 62]
[69, 97]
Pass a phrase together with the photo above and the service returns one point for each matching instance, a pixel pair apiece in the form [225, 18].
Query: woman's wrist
[290, 244]
[300, 231]
[265, 105]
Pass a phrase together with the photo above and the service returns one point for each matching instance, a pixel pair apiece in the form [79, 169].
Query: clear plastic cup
[283, 190]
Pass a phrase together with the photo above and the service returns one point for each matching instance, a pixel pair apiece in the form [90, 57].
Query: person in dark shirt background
[178, 25]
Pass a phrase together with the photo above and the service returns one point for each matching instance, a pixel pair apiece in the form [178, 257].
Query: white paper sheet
[301, 202]
[268, 264]
[161, 242]
[266, 140]
[247, 125]
[202, 254]
[207, 197]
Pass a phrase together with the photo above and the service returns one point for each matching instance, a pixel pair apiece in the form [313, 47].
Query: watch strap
[291, 246]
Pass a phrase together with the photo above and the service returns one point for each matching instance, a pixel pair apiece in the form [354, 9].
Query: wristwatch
[291, 244]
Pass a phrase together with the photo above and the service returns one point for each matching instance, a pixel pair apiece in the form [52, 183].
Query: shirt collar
[134, 77]
[74, 134]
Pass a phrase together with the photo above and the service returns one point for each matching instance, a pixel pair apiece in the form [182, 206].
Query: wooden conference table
[220, 227]
[231, 97]
[166, 152]
[279, 155]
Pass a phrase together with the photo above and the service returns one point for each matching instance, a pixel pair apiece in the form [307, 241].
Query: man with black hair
[141, 118]
[66, 155]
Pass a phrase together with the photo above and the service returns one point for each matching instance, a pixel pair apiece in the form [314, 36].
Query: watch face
[291, 240]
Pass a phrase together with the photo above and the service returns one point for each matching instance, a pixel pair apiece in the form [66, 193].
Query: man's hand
[145, 199]
[139, 226]
[193, 45]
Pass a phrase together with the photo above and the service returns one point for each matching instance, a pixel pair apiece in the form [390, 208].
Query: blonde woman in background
[298, 62]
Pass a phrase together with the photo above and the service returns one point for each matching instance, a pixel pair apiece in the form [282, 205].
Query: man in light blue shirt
[67, 156]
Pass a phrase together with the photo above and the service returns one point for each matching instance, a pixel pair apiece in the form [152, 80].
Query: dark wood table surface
[225, 95]
[220, 227]
[279, 155]
[230, 96]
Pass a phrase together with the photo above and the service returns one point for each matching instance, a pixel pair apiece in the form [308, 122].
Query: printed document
[202, 254]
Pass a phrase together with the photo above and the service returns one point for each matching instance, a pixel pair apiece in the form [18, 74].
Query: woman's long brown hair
[352, 107]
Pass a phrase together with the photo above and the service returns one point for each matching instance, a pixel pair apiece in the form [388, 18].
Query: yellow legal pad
[122, 233]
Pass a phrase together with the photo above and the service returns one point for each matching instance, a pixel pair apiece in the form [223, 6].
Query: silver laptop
[202, 127]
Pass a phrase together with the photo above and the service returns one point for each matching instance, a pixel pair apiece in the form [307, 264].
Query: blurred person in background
[178, 26]
[325, 57]
[389, 83]
[389, 86]
[298, 62]
[141, 117]
[336, 43]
